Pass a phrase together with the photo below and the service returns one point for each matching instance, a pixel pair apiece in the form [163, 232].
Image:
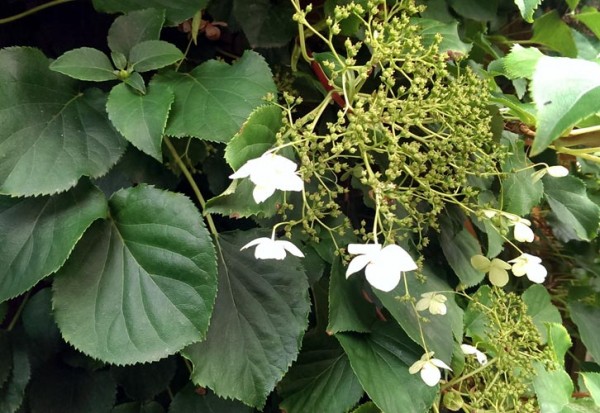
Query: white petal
[289, 182]
[498, 277]
[422, 304]
[536, 273]
[523, 233]
[368, 249]
[531, 259]
[291, 248]
[519, 268]
[468, 349]
[437, 308]
[396, 256]
[557, 171]
[481, 357]
[439, 363]
[480, 263]
[269, 250]
[357, 264]
[262, 193]
[382, 277]
[489, 213]
[255, 242]
[416, 366]
[245, 170]
[430, 374]
[498, 263]
[279, 163]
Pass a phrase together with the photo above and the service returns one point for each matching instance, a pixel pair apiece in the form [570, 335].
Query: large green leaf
[57, 388]
[85, 63]
[257, 326]
[541, 309]
[459, 245]
[521, 62]
[572, 207]
[256, 136]
[348, 309]
[213, 100]
[520, 193]
[12, 391]
[552, 32]
[439, 331]
[153, 54]
[559, 341]
[475, 9]
[565, 92]
[592, 383]
[140, 286]
[187, 400]
[133, 28]
[144, 381]
[451, 41]
[51, 132]
[381, 360]
[590, 16]
[265, 23]
[321, 380]
[553, 389]
[38, 234]
[586, 319]
[141, 119]
[176, 11]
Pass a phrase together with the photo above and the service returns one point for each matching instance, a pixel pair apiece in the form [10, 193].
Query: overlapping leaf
[257, 326]
[213, 100]
[52, 133]
[140, 286]
[133, 28]
[176, 11]
[38, 234]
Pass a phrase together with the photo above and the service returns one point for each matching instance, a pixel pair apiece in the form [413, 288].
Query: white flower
[384, 266]
[429, 368]
[269, 248]
[470, 350]
[432, 301]
[496, 269]
[268, 173]
[557, 171]
[530, 265]
[522, 232]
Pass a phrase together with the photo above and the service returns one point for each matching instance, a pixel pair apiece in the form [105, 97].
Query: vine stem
[192, 182]
[15, 318]
[33, 10]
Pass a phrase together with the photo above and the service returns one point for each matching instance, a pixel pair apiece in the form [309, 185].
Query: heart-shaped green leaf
[381, 360]
[257, 326]
[321, 380]
[141, 119]
[133, 28]
[215, 99]
[38, 234]
[52, 133]
[140, 286]
[85, 63]
[153, 54]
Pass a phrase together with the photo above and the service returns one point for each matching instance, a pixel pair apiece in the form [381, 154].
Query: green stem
[33, 11]
[192, 182]
[15, 318]
[466, 376]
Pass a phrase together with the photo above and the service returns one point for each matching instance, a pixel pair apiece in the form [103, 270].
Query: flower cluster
[525, 264]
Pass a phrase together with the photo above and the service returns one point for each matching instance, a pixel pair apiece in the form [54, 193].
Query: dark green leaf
[188, 400]
[40, 327]
[440, 330]
[475, 9]
[565, 92]
[451, 41]
[38, 234]
[141, 119]
[237, 202]
[153, 54]
[13, 390]
[519, 192]
[59, 389]
[256, 136]
[459, 245]
[5, 358]
[144, 381]
[140, 286]
[257, 326]
[133, 28]
[85, 63]
[586, 319]
[321, 380]
[591, 18]
[265, 23]
[51, 133]
[571, 205]
[559, 341]
[551, 31]
[136, 81]
[176, 11]
[541, 309]
[348, 309]
[138, 407]
[215, 99]
[368, 407]
[381, 360]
